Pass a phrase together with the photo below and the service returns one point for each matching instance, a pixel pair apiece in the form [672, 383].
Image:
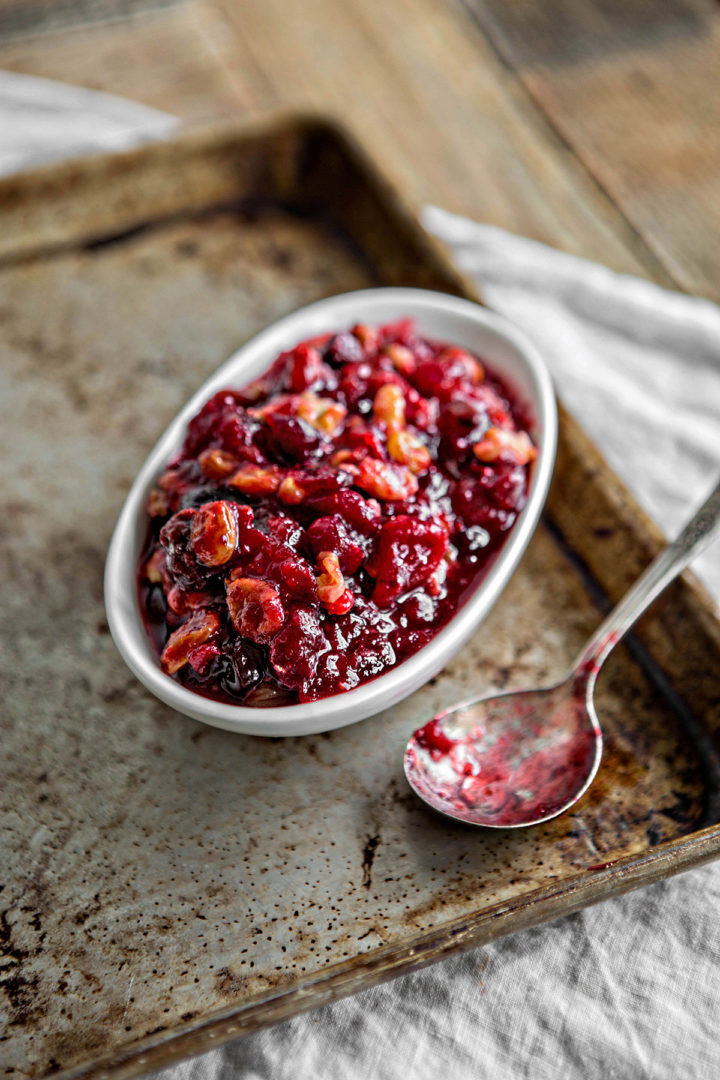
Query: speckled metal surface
[160, 878]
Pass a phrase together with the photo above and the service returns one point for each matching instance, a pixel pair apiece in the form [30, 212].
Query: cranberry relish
[323, 524]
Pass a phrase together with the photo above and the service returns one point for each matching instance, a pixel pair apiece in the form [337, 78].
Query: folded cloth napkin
[626, 989]
[42, 120]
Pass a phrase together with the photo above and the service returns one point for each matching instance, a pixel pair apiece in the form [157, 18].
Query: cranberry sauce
[322, 524]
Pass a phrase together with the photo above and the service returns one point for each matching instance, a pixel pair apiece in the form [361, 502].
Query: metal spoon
[522, 757]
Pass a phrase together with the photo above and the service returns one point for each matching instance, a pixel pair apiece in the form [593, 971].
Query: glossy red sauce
[321, 525]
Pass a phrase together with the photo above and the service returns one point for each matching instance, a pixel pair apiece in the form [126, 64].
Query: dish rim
[331, 314]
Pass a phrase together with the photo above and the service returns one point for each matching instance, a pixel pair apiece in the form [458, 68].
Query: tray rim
[385, 963]
[562, 897]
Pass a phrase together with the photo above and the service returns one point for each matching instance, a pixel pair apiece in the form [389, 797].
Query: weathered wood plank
[20, 18]
[425, 92]
[168, 59]
[415, 79]
[634, 88]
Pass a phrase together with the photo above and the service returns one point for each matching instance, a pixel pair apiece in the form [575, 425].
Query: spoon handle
[699, 532]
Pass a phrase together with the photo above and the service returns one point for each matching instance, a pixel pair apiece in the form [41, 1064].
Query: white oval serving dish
[443, 317]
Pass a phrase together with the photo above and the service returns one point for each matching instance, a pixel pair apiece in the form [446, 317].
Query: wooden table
[592, 127]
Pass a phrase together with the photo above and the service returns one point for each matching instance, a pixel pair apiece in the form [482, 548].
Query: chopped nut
[392, 483]
[499, 444]
[367, 336]
[330, 582]
[290, 492]
[324, 414]
[401, 357]
[155, 566]
[217, 464]
[196, 631]
[157, 504]
[255, 607]
[407, 449]
[183, 601]
[214, 533]
[256, 479]
[389, 407]
[340, 457]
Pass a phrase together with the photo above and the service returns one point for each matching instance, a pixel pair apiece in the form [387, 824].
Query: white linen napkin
[628, 989]
[42, 120]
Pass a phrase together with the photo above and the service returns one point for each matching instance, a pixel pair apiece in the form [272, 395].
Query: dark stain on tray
[368, 858]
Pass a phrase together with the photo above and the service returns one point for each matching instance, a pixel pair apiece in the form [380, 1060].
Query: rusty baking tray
[166, 886]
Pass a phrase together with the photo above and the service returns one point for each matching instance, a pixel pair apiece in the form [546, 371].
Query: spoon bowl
[511, 759]
[520, 758]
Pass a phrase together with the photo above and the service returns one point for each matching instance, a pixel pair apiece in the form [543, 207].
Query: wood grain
[415, 79]
[163, 58]
[22, 18]
[425, 92]
[634, 89]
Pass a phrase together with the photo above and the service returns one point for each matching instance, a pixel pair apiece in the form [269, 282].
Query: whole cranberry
[504, 484]
[353, 386]
[332, 534]
[461, 424]
[305, 369]
[295, 651]
[248, 663]
[202, 428]
[472, 502]
[362, 514]
[180, 559]
[239, 434]
[492, 402]
[289, 439]
[214, 533]
[296, 574]
[501, 486]
[286, 530]
[344, 349]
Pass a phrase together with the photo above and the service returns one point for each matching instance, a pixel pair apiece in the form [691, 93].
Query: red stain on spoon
[523, 760]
